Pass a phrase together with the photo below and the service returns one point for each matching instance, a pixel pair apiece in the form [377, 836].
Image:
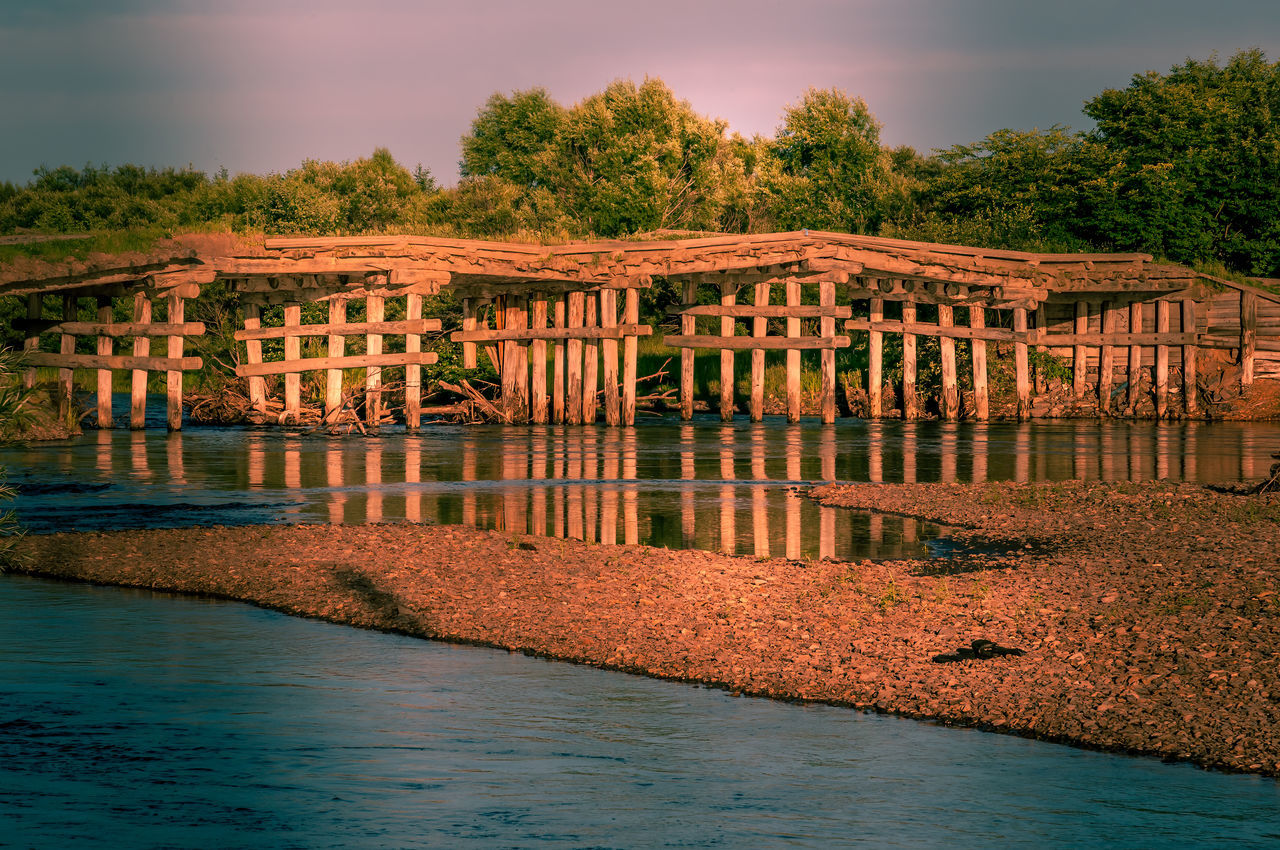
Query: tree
[511, 136]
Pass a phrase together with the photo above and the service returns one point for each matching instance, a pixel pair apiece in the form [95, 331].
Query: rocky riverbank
[1148, 613]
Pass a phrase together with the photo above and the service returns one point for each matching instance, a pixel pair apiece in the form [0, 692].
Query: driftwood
[1271, 484]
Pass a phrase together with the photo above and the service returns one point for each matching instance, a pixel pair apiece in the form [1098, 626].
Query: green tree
[511, 138]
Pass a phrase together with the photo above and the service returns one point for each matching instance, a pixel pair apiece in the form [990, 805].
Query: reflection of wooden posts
[827, 330]
[1162, 361]
[173, 377]
[688, 327]
[573, 362]
[138, 377]
[513, 469]
[35, 306]
[949, 448]
[1135, 354]
[412, 475]
[826, 532]
[1080, 457]
[792, 288]
[105, 349]
[631, 351]
[609, 353]
[1106, 356]
[792, 509]
[1189, 378]
[292, 353]
[630, 498]
[559, 399]
[909, 457]
[875, 362]
[413, 371]
[688, 472]
[1022, 454]
[827, 454]
[1162, 451]
[978, 473]
[875, 457]
[174, 462]
[1021, 362]
[589, 466]
[728, 295]
[1189, 450]
[981, 399]
[373, 480]
[910, 408]
[337, 347]
[759, 327]
[574, 473]
[255, 461]
[66, 346]
[1079, 361]
[292, 465]
[759, 498]
[468, 474]
[139, 463]
[1248, 337]
[947, 344]
[590, 362]
[609, 493]
[333, 480]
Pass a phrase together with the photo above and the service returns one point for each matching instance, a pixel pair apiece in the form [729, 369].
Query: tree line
[1183, 165]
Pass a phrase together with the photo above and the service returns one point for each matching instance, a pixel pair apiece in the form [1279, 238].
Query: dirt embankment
[1149, 613]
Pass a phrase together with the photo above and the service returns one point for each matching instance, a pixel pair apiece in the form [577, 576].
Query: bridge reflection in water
[705, 485]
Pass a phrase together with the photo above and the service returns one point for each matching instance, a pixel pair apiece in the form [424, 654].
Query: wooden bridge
[561, 324]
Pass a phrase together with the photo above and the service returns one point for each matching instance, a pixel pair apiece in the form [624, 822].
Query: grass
[109, 242]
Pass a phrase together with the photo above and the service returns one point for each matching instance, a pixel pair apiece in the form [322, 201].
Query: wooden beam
[35, 305]
[631, 351]
[173, 376]
[1248, 337]
[728, 293]
[522, 359]
[343, 327]
[777, 311]
[375, 312]
[875, 360]
[759, 327]
[558, 399]
[609, 355]
[336, 350]
[688, 327]
[292, 355]
[105, 348]
[67, 347]
[1021, 366]
[1190, 388]
[413, 371]
[1106, 356]
[70, 362]
[767, 343]
[315, 364]
[950, 386]
[112, 329]
[926, 329]
[1162, 361]
[1079, 358]
[827, 331]
[538, 412]
[792, 288]
[468, 326]
[981, 394]
[1135, 353]
[910, 404]
[577, 314]
[590, 360]
[138, 378]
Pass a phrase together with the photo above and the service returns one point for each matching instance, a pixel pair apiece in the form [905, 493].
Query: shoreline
[1131, 644]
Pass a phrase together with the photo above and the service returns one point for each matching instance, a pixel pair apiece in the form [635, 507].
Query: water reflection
[720, 487]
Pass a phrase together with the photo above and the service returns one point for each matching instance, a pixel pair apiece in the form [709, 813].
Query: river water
[134, 719]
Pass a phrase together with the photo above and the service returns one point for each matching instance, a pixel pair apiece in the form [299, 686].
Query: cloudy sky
[259, 85]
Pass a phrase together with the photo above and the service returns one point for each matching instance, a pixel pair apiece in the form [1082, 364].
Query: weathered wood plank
[1248, 337]
[138, 377]
[1135, 353]
[413, 371]
[468, 326]
[112, 329]
[689, 328]
[375, 312]
[1079, 358]
[1190, 390]
[1021, 365]
[792, 290]
[336, 349]
[342, 327]
[926, 329]
[577, 313]
[590, 360]
[631, 351]
[105, 349]
[553, 334]
[875, 360]
[827, 331]
[315, 364]
[767, 343]
[144, 364]
[981, 392]
[609, 358]
[538, 407]
[558, 397]
[35, 305]
[950, 386]
[66, 347]
[1106, 355]
[292, 354]
[759, 327]
[1162, 361]
[173, 376]
[728, 293]
[776, 311]
[910, 404]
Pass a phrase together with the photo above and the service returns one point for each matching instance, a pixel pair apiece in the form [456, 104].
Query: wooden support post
[35, 304]
[337, 347]
[590, 362]
[1021, 364]
[468, 324]
[1190, 387]
[173, 377]
[875, 362]
[577, 312]
[1162, 361]
[413, 371]
[609, 354]
[67, 345]
[793, 355]
[950, 386]
[1248, 337]
[538, 356]
[106, 348]
[522, 357]
[1106, 357]
[509, 377]
[981, 396]
[728, 295]
[631, 352]
[688, 327]
[1079, 357]
[138, 377]
[1135, 354]
[910, 406]
[827, 330]
[759, 327]
[292, 353]
[252, 347]
[1039, 380]
[375, 311]
[558, 389]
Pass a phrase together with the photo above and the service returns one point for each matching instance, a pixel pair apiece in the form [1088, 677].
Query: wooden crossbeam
[746, 343]
[311, 364]
[616, 332]
[776, 311]
[112, 361]
[414, 326]
[111, 329]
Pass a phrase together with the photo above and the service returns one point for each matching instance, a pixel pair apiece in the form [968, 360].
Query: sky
[261, 85]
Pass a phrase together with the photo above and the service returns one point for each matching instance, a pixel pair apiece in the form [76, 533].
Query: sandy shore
[1149, 613]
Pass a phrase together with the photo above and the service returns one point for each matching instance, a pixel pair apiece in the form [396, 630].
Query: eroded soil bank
[1149, 612]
